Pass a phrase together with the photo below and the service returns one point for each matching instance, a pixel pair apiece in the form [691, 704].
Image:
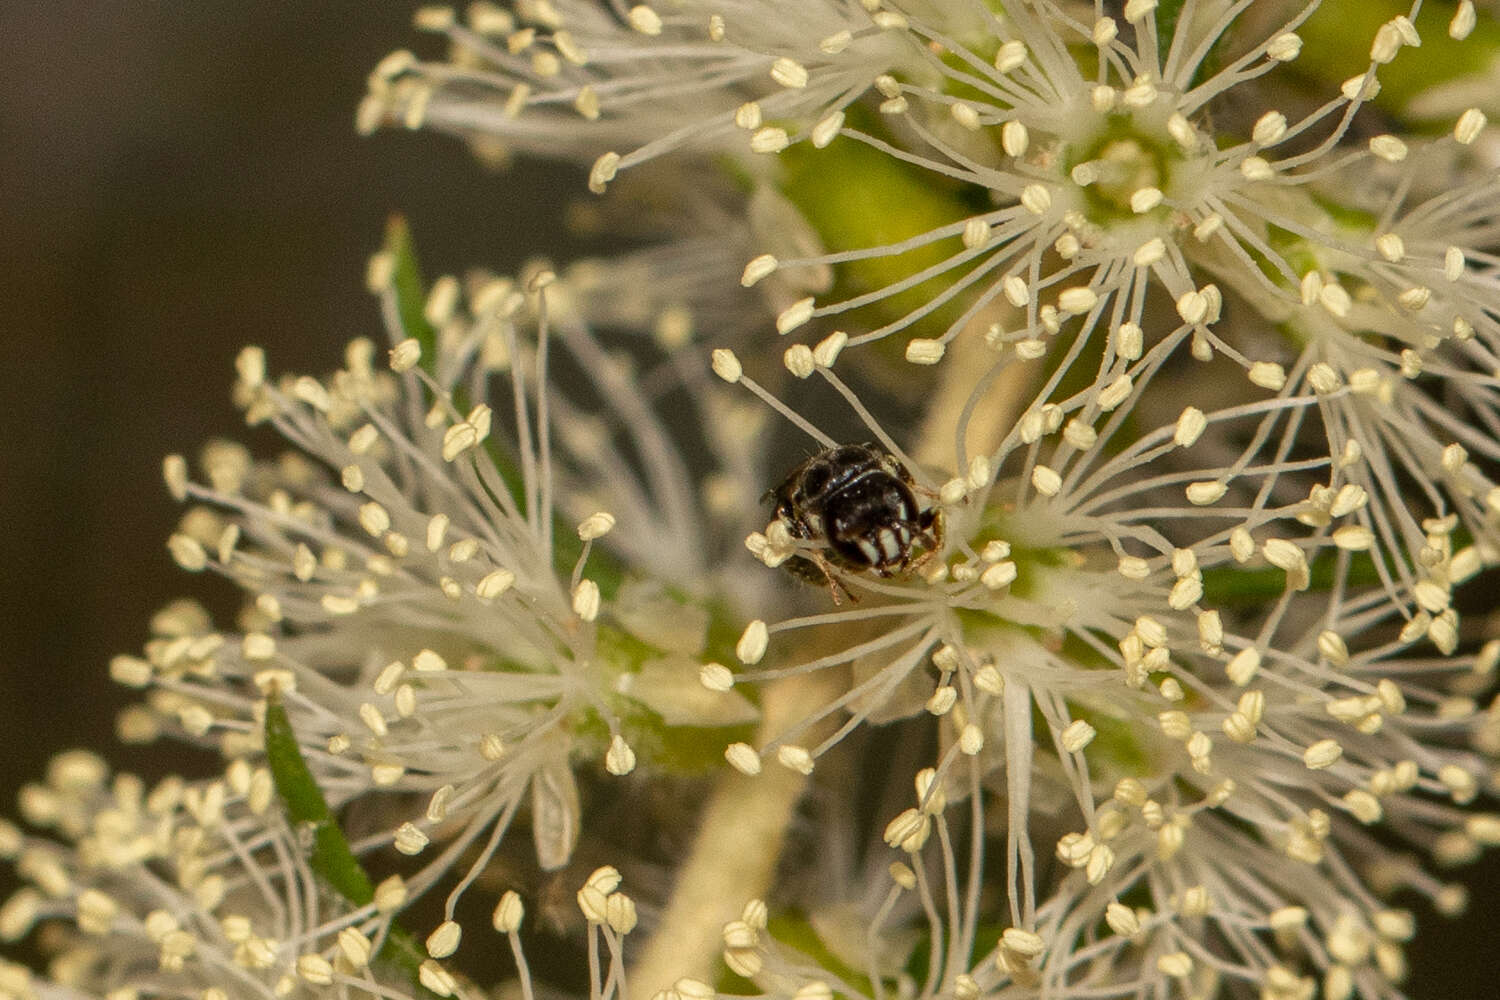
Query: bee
[857, 505]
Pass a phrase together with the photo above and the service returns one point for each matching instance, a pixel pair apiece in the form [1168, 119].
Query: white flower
[617, 88]
[187, 890]
[1283, 254]
[1229, 861]
[429, 629]
[1163, 675]
[1101, 624]
[1156, 165]
[1100, 517]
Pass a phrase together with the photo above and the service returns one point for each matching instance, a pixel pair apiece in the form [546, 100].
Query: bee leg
[915, 565]
[928, 530]
[835, 585]
[810, 566]
[930, 522]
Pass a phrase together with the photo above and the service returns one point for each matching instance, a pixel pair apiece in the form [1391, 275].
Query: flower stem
[733, 857]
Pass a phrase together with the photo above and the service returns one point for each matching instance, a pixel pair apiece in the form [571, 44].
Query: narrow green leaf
[331, 856]
[331, 859]
[795, 930]
[411, 290]
[1234, 586]
[411, 297]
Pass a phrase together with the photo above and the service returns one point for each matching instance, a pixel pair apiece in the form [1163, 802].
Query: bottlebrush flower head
[1144, 191]
[436, 637]
[190, 889]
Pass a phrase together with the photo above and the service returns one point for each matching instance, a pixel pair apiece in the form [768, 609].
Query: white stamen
[444, 941]
[1047, 482]
[1145, 199]
[726, 365]
[619, 759]
[1469, 125]
[743, 758]
[1322, 754]
[1388, 148]
[1269, 128]
[596, 525]
[794, 316]
[1077, 735]
[603, 171]
[920, 351]
[752, 644]
[799, 360]
[761, 267]
[1014, 138]
[645, 20]
[586, 600]
[770, 139]
[1463, 21]
[1010, 56]
[827, 351]
[1268, 375]
[1284, 47]
[795, 758]
[827, 129]
[1036, 199]
[789, 73]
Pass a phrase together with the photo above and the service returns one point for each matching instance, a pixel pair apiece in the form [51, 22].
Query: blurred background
[178, 180]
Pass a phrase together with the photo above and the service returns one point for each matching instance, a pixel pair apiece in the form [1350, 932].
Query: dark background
[177, 180]
[181, 179]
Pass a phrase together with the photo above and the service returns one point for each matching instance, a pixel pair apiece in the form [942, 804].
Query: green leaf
[331, 859]
[795, 930]
[1234, 586]
[411, 298]
[410, 289]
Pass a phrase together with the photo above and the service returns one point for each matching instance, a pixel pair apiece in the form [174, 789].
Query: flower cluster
[1141, 657]
[187, 890]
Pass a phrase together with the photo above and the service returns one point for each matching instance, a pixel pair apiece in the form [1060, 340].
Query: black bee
[857, 504]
